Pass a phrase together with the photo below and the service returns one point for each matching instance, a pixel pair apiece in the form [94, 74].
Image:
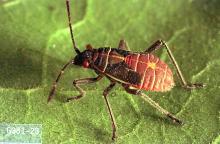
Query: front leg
[160, 44]
[54, 86]
[78, 82]
[105, 94]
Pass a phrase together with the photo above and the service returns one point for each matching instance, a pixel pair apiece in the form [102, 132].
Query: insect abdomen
[155, 74]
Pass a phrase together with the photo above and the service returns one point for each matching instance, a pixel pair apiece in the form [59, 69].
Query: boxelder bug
[134, 71]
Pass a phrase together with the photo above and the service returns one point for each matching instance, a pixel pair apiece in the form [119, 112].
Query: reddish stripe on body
[135, 67]
[164, 76]
[154, 76]
[143, 66]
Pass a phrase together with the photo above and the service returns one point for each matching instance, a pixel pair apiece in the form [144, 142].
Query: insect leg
[78, 82]
[105, 94]
[157, 45]
[152, 103]
[130, 90]
[52, 91]
[123, 45]
[159, 108]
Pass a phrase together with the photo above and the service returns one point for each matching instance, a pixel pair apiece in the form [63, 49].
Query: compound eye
[86, 64]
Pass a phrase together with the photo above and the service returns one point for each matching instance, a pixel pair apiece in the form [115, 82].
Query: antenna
[70, 26]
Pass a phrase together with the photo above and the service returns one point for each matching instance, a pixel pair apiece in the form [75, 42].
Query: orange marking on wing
[151, 65]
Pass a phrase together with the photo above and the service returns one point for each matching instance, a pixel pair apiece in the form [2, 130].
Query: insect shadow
[95, 132]
[20, 67]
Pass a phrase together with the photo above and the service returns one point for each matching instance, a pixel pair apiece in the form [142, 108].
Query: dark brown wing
[122, 73]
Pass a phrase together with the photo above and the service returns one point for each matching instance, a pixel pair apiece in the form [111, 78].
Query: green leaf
[35, 44]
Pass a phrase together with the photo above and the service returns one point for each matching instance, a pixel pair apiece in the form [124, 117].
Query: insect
[135, 71]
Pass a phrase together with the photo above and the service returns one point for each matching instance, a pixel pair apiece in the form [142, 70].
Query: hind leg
[160, 44]
[152, 103]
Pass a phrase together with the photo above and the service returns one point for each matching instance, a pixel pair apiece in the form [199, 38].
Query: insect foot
[194, 86]
[114, 136]
[175, 120]
[73, 98]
